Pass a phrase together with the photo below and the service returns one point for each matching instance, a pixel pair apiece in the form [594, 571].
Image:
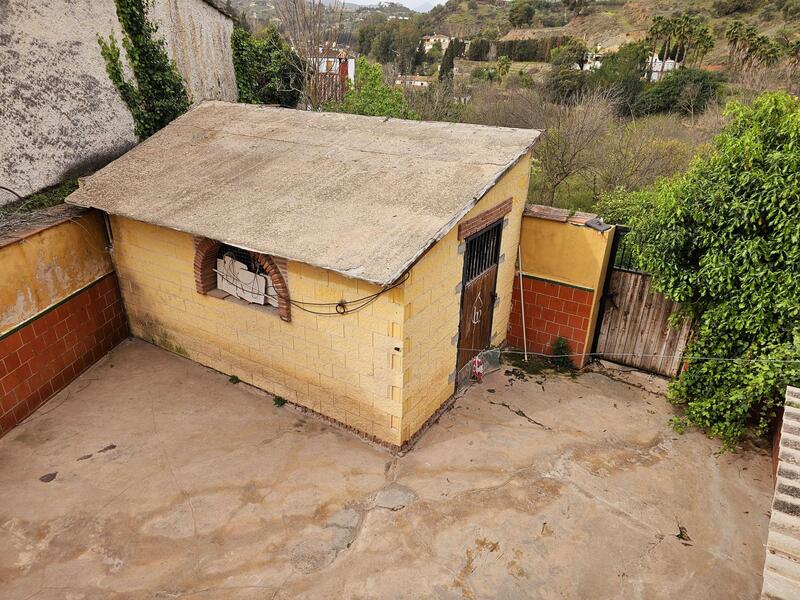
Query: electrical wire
[638, 355]
[340, 308]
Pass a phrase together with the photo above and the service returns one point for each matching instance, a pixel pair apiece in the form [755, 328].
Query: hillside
[611, 24]
[260, 12]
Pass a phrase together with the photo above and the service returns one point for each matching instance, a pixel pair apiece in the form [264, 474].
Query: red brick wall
[552, 310]
[47, 353]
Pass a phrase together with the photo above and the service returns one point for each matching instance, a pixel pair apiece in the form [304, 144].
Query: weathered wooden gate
[478, 294]
[634, 325]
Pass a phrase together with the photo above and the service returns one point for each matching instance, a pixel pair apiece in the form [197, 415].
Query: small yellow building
[351, 265]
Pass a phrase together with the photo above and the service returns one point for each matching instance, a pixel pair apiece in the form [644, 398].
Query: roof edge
[460, 215]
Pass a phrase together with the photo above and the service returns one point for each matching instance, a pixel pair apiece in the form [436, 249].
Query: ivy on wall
[156, 94]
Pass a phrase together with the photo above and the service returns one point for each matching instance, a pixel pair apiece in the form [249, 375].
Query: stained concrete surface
[171, 482]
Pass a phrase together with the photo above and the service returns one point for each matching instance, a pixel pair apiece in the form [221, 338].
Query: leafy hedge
[531, 50]
[724, 240]
[267, 70]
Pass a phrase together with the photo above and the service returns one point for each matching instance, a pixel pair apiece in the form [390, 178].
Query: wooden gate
[478, 294]
[634, 328]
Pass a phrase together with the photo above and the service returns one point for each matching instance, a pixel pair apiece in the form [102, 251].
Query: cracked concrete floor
[171, 482]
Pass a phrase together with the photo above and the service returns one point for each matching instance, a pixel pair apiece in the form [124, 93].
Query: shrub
[370, 96]
[521, 13]
[723, 8]
[723, 240]
[684, 91]
[267, 70]
[561, 355]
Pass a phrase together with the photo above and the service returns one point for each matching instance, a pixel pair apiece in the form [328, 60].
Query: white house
[431, 40]
[656, 69]
[337, 62]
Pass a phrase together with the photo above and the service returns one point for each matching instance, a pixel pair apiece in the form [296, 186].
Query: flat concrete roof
[362, 196]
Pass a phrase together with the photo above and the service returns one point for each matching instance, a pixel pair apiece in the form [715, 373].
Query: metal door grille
[482, 252]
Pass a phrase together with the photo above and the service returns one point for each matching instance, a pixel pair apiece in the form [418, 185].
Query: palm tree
[670, 27]
[735, 35]
[654, 34]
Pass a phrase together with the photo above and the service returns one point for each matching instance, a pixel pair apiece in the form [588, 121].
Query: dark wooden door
[477, 306]
[478, 293]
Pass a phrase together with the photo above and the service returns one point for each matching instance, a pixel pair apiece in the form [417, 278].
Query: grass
[43, 199]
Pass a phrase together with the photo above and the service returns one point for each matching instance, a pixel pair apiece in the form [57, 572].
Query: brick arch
[281, 289]
[205, 261]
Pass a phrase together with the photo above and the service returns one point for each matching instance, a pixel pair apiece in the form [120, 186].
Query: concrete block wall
[433, 305]
[782, 564]
[552, 310]
[348, 368]
[564, 265]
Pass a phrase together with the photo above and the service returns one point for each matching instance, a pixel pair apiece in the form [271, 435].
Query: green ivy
[724, 240]
[267, 70]
[156, 94]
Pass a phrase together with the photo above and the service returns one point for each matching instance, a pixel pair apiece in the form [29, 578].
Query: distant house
[338, 62]
[414, 81]
[334, 69]
[429, 41]
[352, 265]
[659, 68]
[61, 116]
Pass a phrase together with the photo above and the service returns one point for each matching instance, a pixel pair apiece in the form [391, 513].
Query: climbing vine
[156, 94]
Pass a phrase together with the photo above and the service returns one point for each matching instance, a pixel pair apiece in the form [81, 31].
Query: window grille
[483, 252]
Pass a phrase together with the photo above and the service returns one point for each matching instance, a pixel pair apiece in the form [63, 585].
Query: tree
[370, 96]
[669, 94]
[266, 68]
[503, 66]
[521, 13]
[723, 240]
[448, 61]
[312, 28]
[156, 94]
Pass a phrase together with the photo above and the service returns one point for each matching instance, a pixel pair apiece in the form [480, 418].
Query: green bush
[521, 13]
[267, 70]
[370, 96]
[682, 91]
[724, 240]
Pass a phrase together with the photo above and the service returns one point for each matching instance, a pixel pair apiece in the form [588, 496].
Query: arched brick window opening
[207, 251]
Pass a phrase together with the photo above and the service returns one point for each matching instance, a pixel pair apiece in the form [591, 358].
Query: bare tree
[312, 28]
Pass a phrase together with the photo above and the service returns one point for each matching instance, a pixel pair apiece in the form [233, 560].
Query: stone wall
[60, 115]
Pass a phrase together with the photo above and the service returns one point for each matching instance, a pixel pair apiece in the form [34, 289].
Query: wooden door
[635, 329]
[478, 294]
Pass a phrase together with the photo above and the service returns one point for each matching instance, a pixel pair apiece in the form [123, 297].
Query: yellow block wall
[564, 253]
[45, 267]
[571, 254]
[433, 305]
[345, 367]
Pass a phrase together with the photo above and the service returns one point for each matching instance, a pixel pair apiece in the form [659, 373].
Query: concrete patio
[153, 477]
